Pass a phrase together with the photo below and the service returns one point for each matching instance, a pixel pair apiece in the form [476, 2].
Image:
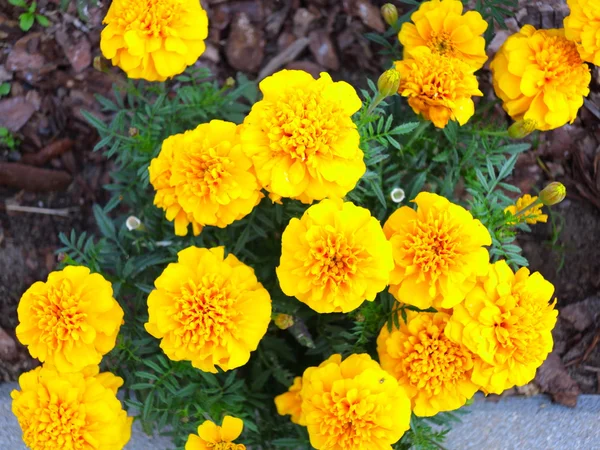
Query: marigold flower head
[434, 371]
[582, 26]
[441, 26]
[208, 309]
[71, 320]
[70, 411]
[438, 251]
[154, 39]
[353, 405]
[438, 87]
[334, 257]
[301, 137]
[506, 320]
[522, 211]
[290, 403]
[212, 436]
[553, 194]
[539, 76]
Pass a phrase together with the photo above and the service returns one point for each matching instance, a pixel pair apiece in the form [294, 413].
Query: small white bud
[397, 195]
[133, 223]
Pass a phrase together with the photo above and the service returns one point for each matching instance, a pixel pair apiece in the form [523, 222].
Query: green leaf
[42, 20]
[405, 128]
[4, 89]
[20, 3]
[26, 21]
[106, 226]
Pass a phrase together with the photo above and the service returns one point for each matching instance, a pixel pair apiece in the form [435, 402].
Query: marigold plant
[71, 320]
[441, 26]
[438, 252]
[506, 320]
[527, 209]
[539, 76]
[208, 309]
[353, 405]
[582, 26]
[154, 39]
[212, 436]
[334, 257]
[301, 137]
[290, 403]
[70, 411]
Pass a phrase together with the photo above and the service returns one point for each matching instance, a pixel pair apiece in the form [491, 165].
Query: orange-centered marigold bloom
[438, 87]
[506, 320]
[71, 320]
[539, 76]
[583, 27]
[208, 309]
[213, 437]
[334, 257]
[438, 251]
[71, 411]
[353, 405]
[154, 39]
[441, 26]
[301, 137]
[532, 215]
[290, 403]
[434, 371]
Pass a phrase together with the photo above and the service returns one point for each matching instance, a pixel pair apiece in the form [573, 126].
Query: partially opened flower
[70, 411]
[301, 137]
[353, 405]
[334, 257]
[208, 309]
[71, 320]
[582, 26]
[290, 403]
[540, 76]
[438, 87]
[441, 26]
[213, 437]
[526, 209]
[506, 320]
[438, 251]
[434, 371]
[154, 39]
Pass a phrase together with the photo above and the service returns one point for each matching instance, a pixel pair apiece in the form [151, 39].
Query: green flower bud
[522, 128]
[389, 13]
[388, 83]
[553, 193]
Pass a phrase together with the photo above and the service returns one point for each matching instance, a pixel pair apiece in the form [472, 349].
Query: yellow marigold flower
[539, 76]
[434, 371]
[506, 321]
[532, 215]
[70, 411]
[441, 26]
[334, 257]
[154, 39]
[208, 309]
[301, 137]
[353, 405]
[438, 251]
[583, 27]
[290, 403]
[212, 436]
[71, 320]
[438, 87]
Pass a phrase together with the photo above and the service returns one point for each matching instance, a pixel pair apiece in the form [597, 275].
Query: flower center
[347, 423]
[205, 171]
[58, 315]
[559, 59]
[225, 446]
[152, 17]
[441, 43]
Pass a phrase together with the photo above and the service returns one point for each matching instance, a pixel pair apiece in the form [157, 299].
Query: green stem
[378, 99]
[503, 134]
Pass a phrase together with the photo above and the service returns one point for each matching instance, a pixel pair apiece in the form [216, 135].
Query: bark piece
[245, 46]
[553, 379]
[51, 151]
[322, 49]
[15, 112]
[30, 178]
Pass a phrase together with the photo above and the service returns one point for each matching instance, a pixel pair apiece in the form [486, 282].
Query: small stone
[322, 49]
[8, 347]
[547, 16]
[15, 112]
[245, 46]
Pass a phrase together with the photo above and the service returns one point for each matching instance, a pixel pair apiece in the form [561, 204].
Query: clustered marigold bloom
[334, 257]
[540, 76]
[506, 320]
[301, 137]
[71, 320]
[212, 436]
[154, 39]
[441, 26]
[353, 405]
[290, 403]
[210, 179]
[532, 215]
[208, 309]
[438, 87]
[583, 27]
[434, 371]
[70, 411]
[438, 252]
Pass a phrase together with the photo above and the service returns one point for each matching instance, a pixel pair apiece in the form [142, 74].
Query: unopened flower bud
[360, 317]
[133, 223]
[388, 83]
[522, 128]
[397, 195]
[389, 13]
[283, 321]
[553, 193]
[133, 132]
[229, 83]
